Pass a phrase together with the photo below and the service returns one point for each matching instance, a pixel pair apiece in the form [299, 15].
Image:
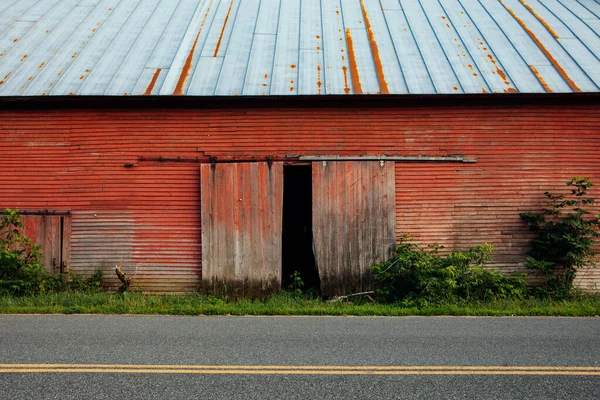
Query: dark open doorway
[297, 238]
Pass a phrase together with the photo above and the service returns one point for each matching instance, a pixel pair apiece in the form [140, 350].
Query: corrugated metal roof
[297, 47]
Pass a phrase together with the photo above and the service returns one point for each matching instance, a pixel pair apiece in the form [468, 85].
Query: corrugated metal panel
[242, 207]
[353, 222]
[291, 47]
[74, 160]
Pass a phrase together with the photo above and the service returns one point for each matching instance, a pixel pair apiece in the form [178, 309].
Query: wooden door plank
[242, 206]
[353, 222]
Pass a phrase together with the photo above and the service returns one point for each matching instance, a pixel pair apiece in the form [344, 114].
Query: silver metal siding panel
[39, 9]
[354, 22]
[390, 5]
[301, 46]
[487, 65]
[218, 29]
[390, 68]
[260, 66]
[233, 73]
[73, 78]
[284, 79]
[205, 79]
[212, 46]
[112, 59]
[6, 4]
[570, 28]
[310, 67]
[414, 69]
[268, 16]
[12, 36]
[335, 51]
[149, 75]
[188, 48]
[455, 49]
[584, 9]
[13, 12]
[552, 45]
[170, 41]
[496, 44]
[66, 54]
[439, 68]
[524, 45]
[132, 69]
[25, 47]
[39, 59]
[258, 75]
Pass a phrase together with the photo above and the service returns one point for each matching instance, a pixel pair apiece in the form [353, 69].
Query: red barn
[225, 144]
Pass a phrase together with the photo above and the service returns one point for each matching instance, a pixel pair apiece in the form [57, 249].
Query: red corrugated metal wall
[149, 215]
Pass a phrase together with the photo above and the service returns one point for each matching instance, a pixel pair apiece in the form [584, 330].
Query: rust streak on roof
[540, 78]
[353, 67]
[544, 50]
[543, 21]
[223, 29]
[185, 71]
[375, 51]
[345, 71]
[319, 83]
[150, 87]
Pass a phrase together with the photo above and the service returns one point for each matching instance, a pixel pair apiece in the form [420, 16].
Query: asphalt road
[155, 357]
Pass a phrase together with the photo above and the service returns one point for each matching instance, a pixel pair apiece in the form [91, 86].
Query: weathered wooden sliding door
[241, 228]
[354, 220]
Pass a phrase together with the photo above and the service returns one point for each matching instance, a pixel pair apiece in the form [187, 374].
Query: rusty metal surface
[242, 208]
[297, 47]
[354, 222]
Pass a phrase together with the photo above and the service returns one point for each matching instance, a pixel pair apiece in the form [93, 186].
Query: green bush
[21, 269]
[566, 236]
[424, 276]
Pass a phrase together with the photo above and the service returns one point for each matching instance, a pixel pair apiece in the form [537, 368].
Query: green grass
[282, 304]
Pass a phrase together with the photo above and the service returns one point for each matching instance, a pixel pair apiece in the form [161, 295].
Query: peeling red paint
[544, 50]
[539, 18]
[511, 90]
[293, 66]
[375, 51]
[484, 91]
[150, 87]
[24, 57]
[222, 29]
[353, 67]
[540, 79]
[187, 66]
[455, 88]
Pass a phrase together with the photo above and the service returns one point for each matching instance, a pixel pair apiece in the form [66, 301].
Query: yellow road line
[298, 370]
